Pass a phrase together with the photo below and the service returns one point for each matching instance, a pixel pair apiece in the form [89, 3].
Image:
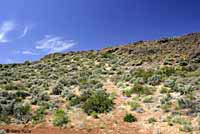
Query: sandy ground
[111, 123]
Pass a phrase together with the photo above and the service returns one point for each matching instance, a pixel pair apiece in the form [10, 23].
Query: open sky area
[30, 29]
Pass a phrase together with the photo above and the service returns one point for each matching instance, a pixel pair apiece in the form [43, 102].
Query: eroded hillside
[144, 87]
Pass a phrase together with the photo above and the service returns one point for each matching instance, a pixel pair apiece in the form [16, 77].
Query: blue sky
[30, 29]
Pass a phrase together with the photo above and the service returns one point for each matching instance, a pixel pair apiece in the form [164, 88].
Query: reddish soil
[111, 123]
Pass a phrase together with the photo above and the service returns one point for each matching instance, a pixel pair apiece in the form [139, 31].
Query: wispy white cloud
[28, 52]
[26, 29]
[25, 52]
[53, 44]
[9, 60]
[6, 27]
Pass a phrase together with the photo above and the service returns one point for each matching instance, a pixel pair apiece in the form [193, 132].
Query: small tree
[98, 102]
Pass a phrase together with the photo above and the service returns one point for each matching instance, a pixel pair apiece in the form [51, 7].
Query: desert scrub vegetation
[91, 101]
[5, 119]
[183, 89]
[186, 124]
[170, 83]
[130, 118]
[11, 104]
[74, 100]
[147, 99]
[38, 115]
[152, 120]
[168, 61]
[164, 90]
[145, 74]
[14, 86]
[183, 103]
[60, 118]
[167, 71]
[38, 96]
[134, 104]
[137, 89]
[98, 102]
[76, 80]
[154, 80]
[166, 103]
[22, 112]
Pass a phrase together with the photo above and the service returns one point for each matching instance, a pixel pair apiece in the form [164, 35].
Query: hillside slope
[157, 82]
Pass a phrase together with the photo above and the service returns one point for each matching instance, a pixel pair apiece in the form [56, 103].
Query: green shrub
[85, 95]
[130, 118]
[137, 63]
[183, 62]
[127, 77]
[166, 99]
[197, 82]
[167, 71]
[154, 80]
[94, 115]
[145, 74]
[148, 99]
[108, 55]
[166, 103]
[57, 89]
[5, 119]
[184, 103]
[44, 96]
[22, 112]
[65, 92]
[164, 90]
[75, 101]
[178, 120]
[39, 115]
[98, 102]
[39, 95]
[47, 105]
[139, 89]
[13, 86]
[60, 118]
[27, 62]
[183, 89]
[186, 125]
[6, 107]
[170, 83]
[127, 92]
[138, 80]
[186, 128]
[190, 68]
[193, 74]
[22, 94]
[168, 61]
[166, 107]
[134, 105]
[152, 120]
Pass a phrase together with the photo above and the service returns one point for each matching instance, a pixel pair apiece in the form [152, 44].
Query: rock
[121, 107]
[139, 110]
[158, 131]
[80, 125]
[162, 119]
